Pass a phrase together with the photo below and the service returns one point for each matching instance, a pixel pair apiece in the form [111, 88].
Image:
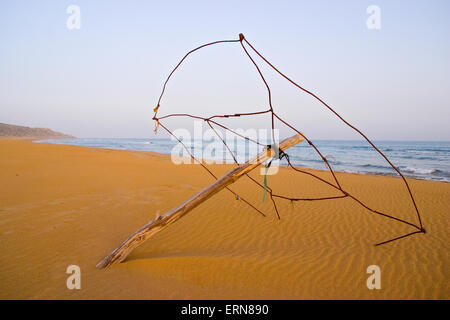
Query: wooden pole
[163, 221]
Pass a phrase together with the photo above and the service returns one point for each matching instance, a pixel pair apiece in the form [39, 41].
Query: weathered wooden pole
[163, 221]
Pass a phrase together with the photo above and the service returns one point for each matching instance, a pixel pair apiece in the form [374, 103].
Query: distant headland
[9, 130]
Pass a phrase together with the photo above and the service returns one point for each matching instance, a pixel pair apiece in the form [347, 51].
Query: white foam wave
[419, 170]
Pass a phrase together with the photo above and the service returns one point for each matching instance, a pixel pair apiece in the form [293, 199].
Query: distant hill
[9, 130]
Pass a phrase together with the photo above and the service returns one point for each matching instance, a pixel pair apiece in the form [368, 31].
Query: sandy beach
[64, 205]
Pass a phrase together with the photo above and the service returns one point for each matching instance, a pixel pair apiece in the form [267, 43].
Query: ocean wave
[358, 147]
[427, 150]
[420, 170]
[374, 166]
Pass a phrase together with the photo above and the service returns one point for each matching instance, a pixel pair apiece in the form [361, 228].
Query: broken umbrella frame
[161, 222]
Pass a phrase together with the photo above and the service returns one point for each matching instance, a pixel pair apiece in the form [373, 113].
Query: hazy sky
[104, 79]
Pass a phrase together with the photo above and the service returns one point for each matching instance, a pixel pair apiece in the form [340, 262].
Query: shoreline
[232, 163]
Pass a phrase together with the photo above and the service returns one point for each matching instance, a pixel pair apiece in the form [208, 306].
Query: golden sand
[64, 205]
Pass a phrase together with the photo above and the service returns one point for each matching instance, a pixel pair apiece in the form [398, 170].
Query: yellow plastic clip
[155, 110]
[156, 126]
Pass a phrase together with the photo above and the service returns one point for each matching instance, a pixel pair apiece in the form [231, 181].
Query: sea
[422, 160]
